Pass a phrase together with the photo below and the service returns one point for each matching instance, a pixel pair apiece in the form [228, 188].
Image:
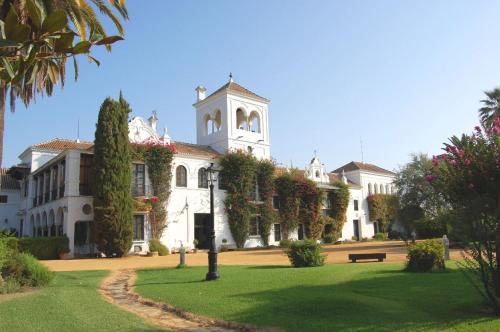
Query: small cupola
[200, 93]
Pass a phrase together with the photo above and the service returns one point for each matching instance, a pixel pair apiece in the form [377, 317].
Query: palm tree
[40, 39]
[491, 109]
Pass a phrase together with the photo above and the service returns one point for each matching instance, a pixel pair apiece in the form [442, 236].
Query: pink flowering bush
[468, 177]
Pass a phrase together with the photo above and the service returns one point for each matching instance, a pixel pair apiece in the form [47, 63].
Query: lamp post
[212, 251]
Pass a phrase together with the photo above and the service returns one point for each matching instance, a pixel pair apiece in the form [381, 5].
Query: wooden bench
[379, 256]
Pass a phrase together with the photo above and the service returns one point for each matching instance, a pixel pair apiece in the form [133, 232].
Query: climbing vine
[238, 176]
[265, 180]
[285, 187]
[339, 202]
[158, 159]
[383, 208]
[311, 199]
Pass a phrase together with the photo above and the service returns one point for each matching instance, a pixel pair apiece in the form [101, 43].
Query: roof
[355, 166]
[278, 171]
[60, 144]
[231, 86]
[196, 150]
[7, 181]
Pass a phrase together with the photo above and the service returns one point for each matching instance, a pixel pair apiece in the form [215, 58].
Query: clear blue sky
[403, 75]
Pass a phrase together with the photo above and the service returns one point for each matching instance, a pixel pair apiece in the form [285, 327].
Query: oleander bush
[425, 256]
[305, 253]
[26, 270]
[285, 243]
[329, 238]
[44, 247]
[156, 245]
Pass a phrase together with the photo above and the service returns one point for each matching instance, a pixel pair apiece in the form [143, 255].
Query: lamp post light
[212, 251]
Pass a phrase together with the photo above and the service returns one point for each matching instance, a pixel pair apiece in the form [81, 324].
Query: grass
[69, 303]
[361, 297]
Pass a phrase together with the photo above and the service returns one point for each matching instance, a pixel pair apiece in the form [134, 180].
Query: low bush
[44, 247]
[9, 285]
[329, 238]
[26, 270]
[380, 237]
[305, 254]
[156, 245]
[395, 235]
[425, 256]
[285, 243]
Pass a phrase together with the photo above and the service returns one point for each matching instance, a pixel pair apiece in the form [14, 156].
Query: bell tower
[233, 117]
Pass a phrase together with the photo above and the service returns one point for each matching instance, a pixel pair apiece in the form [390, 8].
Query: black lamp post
[212, 251]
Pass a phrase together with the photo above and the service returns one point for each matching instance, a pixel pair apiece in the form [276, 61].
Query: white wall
[9, 217]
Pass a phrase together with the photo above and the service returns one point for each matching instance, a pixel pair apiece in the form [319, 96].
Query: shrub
[156, 245]
[329, 238]
[380, 237]
[425, 256]
[9, 285]
[285, 243]
[305, 254]
[44, 247]
[395, 235]
[26, 270]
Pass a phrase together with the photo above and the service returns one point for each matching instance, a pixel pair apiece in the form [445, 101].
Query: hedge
[44, 247]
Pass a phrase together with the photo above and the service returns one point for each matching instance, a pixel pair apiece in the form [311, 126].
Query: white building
[53, 193]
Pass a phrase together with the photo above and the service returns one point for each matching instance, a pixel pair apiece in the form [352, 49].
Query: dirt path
[395, 250]
[117, 288]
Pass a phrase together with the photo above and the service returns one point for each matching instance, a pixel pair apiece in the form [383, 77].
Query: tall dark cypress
[112, 227]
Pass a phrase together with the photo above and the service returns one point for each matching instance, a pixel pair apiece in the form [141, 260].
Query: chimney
[200, 93]
[153, 120]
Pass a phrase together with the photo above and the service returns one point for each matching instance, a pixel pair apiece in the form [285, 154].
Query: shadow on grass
[269, 267]
[390, 300]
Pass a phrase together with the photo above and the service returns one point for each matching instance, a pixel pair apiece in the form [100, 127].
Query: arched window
[249, 149]
[317, 174]
[376, 188]
[32, 226]
[254, 122]
[387, 189]
[207, 124]
[52, 223]
[217, 121]
[381, 189]
[370, 189]
[45, 229]
[60, 222]
[202, 178]
[181, 176]
[241, 119]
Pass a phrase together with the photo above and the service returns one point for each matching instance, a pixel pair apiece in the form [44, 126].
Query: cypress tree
[112, 226]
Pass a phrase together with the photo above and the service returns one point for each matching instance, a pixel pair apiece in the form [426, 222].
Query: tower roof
[234, 87]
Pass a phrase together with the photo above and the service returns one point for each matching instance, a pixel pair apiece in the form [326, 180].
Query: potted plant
[195, 245]
[224, 246]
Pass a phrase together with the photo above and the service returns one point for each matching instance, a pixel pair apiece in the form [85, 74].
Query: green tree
[421, 207]
[37, 38]
[491, 109]
[112, 226]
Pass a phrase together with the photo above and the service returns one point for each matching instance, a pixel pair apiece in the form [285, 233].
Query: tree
[468, 176]
[491, 109]
[421, 207]
[112, 226]
[37, 39]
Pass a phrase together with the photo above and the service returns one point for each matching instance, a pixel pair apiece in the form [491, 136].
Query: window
[181, 176]
[255, 192]
[53, 193]
[277, 232]
[62, 178]
[139, 227]
[327, 203]
[46, 188]
[3, 199]
[370, 191]
[254, 226]
[276, 202]
[85, 174]
[381, 189]
[222, 183]
[254, 122]
[249, 149]
[317, 174]
[202, 178]
[241, 119]
[138, 179]
[376, 189]
[356, 205]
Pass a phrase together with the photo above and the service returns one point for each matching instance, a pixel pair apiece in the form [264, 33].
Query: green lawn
[362, 297]
[70, 303]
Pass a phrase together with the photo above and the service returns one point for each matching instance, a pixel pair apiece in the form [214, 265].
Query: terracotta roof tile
[354, 165]
[235, 87]
[7, 181]
[60, 144]
[196, 150]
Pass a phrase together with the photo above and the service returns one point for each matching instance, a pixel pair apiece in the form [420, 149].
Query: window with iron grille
[138, 179]
[138, 227]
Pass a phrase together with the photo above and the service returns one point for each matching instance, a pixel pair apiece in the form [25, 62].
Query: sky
[400, 76]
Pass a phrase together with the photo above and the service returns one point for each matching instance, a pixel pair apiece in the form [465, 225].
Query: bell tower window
[241, 119]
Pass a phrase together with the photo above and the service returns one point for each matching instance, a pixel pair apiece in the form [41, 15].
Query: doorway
[201, 229]
[301, 232]
[355, 224]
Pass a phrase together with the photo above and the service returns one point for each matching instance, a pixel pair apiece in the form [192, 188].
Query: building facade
[51, 185]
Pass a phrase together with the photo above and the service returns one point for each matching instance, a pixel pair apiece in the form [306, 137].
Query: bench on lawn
[380, 256]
